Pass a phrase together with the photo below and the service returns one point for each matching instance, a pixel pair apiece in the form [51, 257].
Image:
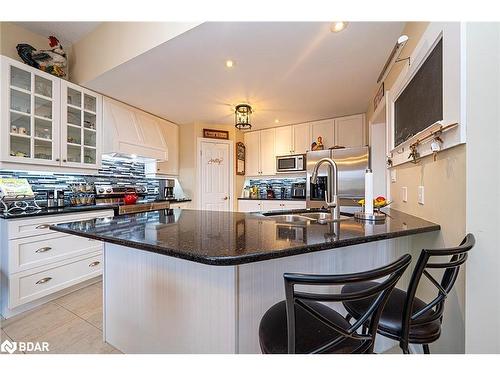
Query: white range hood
[129, 132]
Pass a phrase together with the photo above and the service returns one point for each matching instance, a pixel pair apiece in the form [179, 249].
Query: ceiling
[69, 32]
[291, 71]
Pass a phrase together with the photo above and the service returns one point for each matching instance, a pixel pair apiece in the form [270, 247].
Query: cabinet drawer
[18, 228]
[183, 205]
[30, 285]
[30, 252]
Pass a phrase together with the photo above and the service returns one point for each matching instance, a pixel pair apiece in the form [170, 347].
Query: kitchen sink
[305, 217]
[291, 218]
[323, 217]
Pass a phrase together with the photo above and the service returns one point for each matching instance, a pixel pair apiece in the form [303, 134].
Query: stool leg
[404, 348]
[348, 317]
[426, 349]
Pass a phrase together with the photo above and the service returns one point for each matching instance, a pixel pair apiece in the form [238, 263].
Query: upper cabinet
[30, 110]
[46, 120]
[293, 139]
[81, 127]
[350, 131]
[130, 131]
[260, 152]
[325, 130]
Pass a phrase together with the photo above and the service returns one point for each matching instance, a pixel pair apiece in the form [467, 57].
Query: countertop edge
[250, 258]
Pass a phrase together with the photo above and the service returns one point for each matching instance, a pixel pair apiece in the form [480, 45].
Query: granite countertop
[272, 199]
[72, 209]
[231, 238]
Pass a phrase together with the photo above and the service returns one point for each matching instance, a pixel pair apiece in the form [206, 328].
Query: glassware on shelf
[20, 78]
[74, 97]
[89, 103]
[89, 155]
[74, 154]
[20, 146]
[43, 129]
[89, 120]
[89, 138]
[74, 135]
[20, 124]
[43, 86]
[20, 101]
[43, 107]
[74, 116]
[43, 149]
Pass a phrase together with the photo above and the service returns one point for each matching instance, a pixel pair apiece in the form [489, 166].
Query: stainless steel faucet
[331, 194]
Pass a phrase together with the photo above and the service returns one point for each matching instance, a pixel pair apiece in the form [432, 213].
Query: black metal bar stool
[405, 317]
[301, 324]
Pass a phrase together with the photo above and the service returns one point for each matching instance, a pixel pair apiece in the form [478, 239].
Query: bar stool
[405, 317]
[301, 324]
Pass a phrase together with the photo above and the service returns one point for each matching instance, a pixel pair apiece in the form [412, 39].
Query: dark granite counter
[72, 209]
[231, 238]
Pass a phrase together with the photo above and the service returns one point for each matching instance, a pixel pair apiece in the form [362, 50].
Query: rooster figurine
[52, 60]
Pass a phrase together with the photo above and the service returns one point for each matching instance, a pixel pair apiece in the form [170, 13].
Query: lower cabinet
[37, 262]
[257, 205]
[181, 205]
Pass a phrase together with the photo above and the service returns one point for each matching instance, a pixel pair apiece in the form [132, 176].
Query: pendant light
[242, 116]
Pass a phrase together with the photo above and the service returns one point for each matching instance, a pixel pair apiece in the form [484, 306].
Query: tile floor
[70, 324]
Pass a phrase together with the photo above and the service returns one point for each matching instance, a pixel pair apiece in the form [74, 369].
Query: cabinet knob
[57, 159]
[64, 160]
[226, 198]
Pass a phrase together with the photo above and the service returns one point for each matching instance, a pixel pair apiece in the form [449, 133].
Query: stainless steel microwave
[291, 163]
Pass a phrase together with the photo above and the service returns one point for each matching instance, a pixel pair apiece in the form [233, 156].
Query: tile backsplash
[113, 171]
[276, 184]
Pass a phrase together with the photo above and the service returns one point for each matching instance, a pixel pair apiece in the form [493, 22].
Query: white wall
[483, 188]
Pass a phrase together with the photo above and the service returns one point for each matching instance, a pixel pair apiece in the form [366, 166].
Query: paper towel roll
[369, 192]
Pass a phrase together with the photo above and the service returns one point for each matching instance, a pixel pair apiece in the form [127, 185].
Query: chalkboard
[421, 103]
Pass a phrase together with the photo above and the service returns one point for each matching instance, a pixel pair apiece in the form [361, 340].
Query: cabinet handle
[93, 264]
[64, 160]
[42, 226]
[43, 249]
[57, 159]
[44, 280]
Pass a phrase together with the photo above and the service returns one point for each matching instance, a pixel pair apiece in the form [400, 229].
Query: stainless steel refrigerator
[351, 163]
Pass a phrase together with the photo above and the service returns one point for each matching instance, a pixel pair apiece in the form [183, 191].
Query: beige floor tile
[86, 302]
[3, 337]
[77, 336]
[34, 323]
[95, 318]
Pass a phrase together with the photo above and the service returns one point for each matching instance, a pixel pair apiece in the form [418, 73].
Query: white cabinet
[293, 139]
[325, 130]
[130, 131]
[46, 120]
[301, 138]
[284, 140]
[30, 115]
[181, 205]
[37, 262]
[170, 167]
[267, 153]
[350, 131]
[246, 205]
[260, 154]
[271, 205]
[80, 127]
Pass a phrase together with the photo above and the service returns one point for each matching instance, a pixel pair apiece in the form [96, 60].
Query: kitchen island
[199, 281]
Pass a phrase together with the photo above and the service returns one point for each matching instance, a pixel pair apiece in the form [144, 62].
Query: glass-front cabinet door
[30, 115]
[81, 127]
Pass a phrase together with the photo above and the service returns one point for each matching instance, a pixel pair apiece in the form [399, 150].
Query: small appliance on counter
[51, 201]
[167, 189]
[270, 192]
[299, 190]
[16, 196]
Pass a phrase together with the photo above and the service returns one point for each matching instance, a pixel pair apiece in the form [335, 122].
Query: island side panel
[159, 304]
[261, 284]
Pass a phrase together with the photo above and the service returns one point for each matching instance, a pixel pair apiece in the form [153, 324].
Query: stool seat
[310, 332]
[390, 323]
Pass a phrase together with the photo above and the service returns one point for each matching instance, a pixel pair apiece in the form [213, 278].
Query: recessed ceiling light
[338, 26]
[229, 63]
[277, 121]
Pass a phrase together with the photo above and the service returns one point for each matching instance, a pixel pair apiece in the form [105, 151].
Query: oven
[291, 163]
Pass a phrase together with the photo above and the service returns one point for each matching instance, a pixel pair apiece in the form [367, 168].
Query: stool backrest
[433, 310]
[382, 290]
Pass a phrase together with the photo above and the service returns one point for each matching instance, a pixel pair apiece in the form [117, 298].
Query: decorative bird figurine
[52, 60]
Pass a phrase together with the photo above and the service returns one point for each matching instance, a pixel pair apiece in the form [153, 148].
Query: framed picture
[215, 134]
[240, 158]
[378, 96]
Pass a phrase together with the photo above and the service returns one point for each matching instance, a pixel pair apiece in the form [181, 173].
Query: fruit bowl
[378, 203]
